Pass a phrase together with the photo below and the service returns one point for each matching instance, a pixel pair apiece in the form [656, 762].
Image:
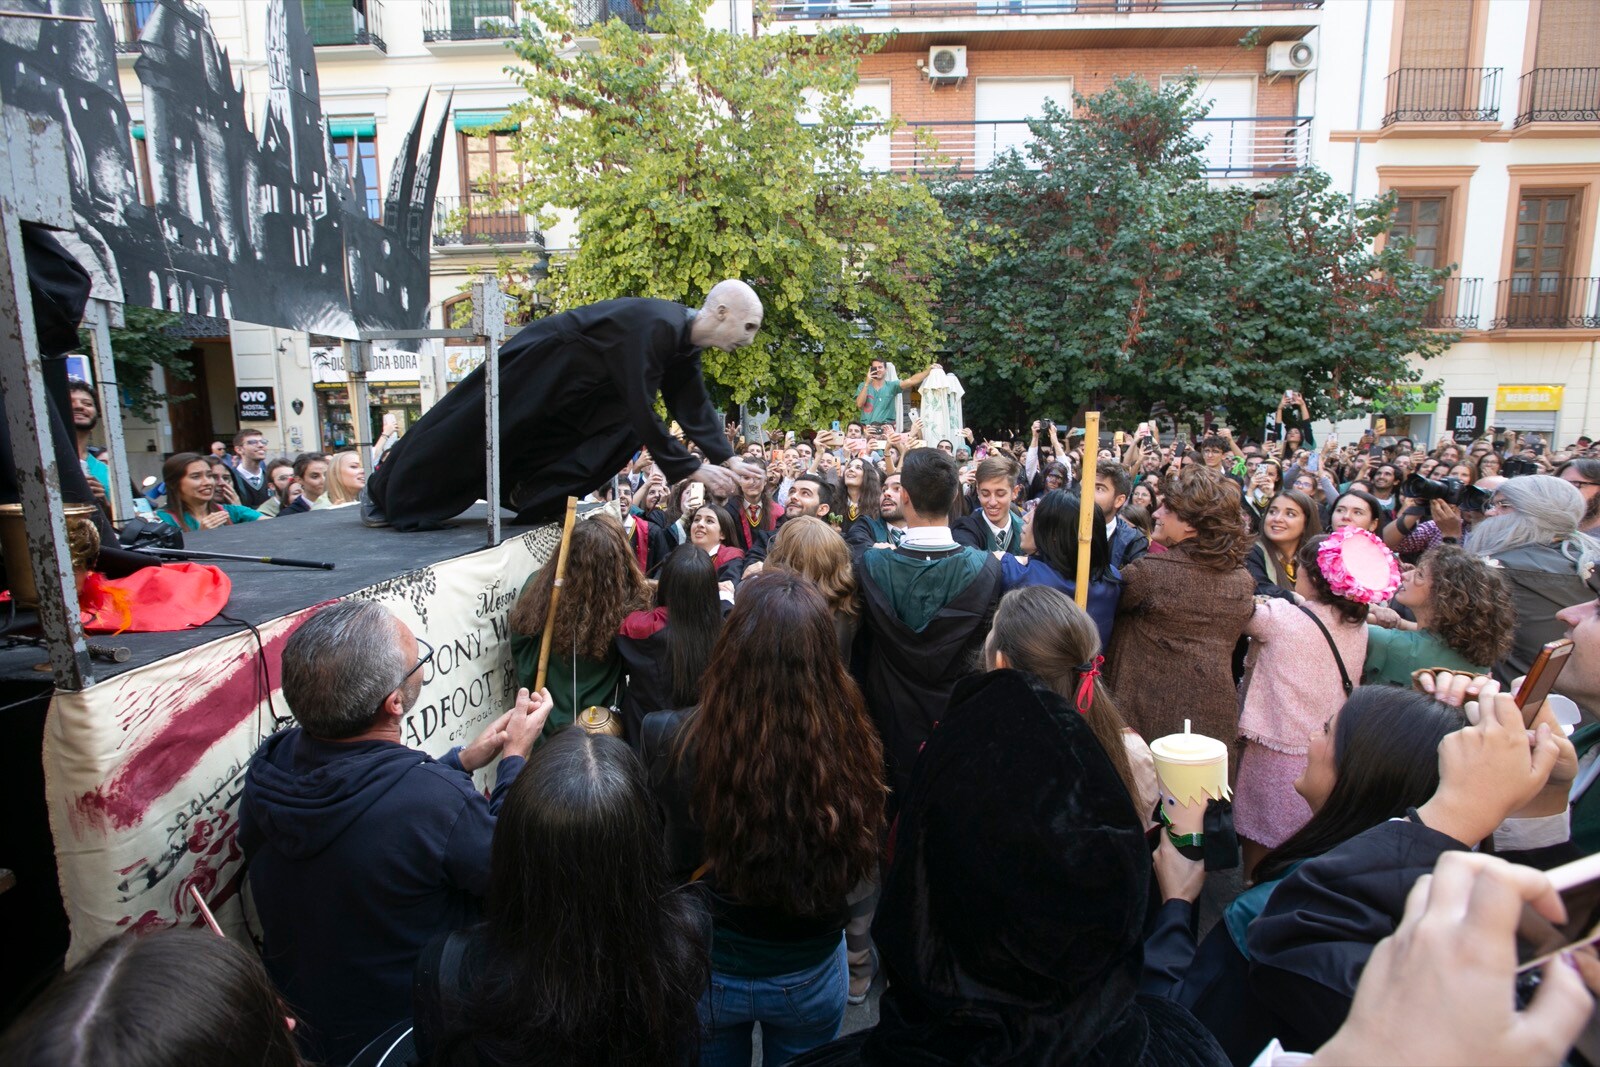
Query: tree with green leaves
[138, 347]
[689, 154]
[1103, 270]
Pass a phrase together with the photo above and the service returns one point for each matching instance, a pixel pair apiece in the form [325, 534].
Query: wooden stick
[555, 592]
[1091, 454]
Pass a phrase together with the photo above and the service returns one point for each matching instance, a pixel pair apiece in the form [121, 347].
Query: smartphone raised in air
[1541, 678]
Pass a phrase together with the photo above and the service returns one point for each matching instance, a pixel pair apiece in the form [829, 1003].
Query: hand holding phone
[1541, 678]
[1458, 934]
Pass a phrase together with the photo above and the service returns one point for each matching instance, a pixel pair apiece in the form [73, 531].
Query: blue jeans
[797, 1012]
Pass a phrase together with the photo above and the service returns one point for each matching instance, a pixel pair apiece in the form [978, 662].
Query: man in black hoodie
[359, 849]
[929, 603]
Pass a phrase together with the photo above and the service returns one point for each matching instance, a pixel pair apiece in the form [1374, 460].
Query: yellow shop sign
[1528, 398]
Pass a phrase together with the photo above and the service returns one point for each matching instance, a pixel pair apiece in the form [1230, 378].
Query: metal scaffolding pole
[33, 188]
[489, 320]
[488, 326]
[99, 318]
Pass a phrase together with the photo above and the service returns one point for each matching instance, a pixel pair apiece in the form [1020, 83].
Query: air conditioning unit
[947, 61]
[1290, 57]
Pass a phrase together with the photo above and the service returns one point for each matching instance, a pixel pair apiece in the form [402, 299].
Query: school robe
[926, 615]
[577, 400]
[973, 530]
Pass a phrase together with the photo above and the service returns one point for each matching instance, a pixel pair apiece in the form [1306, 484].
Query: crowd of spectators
[869, 741]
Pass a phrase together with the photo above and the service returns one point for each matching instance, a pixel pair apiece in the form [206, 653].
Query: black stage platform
[361, 557]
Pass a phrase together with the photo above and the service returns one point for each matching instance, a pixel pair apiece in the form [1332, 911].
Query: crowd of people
[867, 738]
[222, 486]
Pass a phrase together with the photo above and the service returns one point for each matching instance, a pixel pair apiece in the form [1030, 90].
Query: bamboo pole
[555, 592]
[1091, 453]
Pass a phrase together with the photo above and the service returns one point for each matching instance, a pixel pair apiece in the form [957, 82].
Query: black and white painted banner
[244, 219]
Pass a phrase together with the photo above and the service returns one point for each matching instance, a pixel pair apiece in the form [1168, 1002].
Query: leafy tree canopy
[140, 345]
[1102, 269]
[689, 154]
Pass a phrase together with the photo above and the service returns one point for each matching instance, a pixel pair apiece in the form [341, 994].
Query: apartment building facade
[1480, 114]
[380, 61]
[1483, 117]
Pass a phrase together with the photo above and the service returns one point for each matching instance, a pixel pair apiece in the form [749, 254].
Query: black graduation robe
[927, 614]
[973, 529]
[577, 400]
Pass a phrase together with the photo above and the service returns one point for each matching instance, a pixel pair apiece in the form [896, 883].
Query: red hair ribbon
[1088, 672]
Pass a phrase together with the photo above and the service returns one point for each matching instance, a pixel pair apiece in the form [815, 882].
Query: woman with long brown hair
[863, 488]
[1182, 612]
[1041, 631]
[1287, 523]
[716, 533]
[809, 546]
[774, 793]
[603, 585]
[193, 499]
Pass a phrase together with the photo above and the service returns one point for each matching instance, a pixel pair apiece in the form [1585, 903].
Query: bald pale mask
[730, 318]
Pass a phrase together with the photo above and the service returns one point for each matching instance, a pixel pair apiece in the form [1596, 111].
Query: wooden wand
[555, 592]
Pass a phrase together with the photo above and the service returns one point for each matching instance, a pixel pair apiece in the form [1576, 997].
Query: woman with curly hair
[1182, 611]
[773, 789]
[808, 546]
[1464, 620]
[603, 585]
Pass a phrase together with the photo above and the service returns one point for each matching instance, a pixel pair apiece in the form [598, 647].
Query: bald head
[730, 318]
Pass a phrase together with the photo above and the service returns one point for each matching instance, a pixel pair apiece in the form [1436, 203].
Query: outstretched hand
[720, 481]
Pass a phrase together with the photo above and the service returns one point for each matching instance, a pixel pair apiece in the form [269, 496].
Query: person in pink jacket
[1305, 658]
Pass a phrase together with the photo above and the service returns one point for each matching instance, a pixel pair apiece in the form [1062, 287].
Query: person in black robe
[927, 605]
[1012, 916]
[577, 401]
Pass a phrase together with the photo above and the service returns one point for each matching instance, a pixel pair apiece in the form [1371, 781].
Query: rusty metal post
[33, 188]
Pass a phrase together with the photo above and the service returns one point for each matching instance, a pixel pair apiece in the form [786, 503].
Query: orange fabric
[174, 596]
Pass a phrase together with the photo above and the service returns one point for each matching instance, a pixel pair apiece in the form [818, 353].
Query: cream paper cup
[1192, 769]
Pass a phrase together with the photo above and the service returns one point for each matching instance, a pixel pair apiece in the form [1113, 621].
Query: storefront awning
[486, 122]
[341, 128]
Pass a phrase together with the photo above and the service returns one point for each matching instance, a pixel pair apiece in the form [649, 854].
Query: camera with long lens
[1517, 467]
[1452, 491]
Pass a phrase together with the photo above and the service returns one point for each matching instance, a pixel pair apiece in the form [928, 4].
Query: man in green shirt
[877, 394]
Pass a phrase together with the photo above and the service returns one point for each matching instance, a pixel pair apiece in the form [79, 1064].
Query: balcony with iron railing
[790, 10]
[127, 22]
[1558, 94]
[1457, 307]
[334, 23]
[629, 12]
[1442, 94]
[1072, 23]
[1547, 302]
[481, 222]
[468, 20]
[1235, 148]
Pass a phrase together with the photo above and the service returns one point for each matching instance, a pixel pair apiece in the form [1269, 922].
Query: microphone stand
[276, 561]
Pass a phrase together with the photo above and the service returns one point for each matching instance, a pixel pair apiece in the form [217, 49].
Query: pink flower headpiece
[1358, 566]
